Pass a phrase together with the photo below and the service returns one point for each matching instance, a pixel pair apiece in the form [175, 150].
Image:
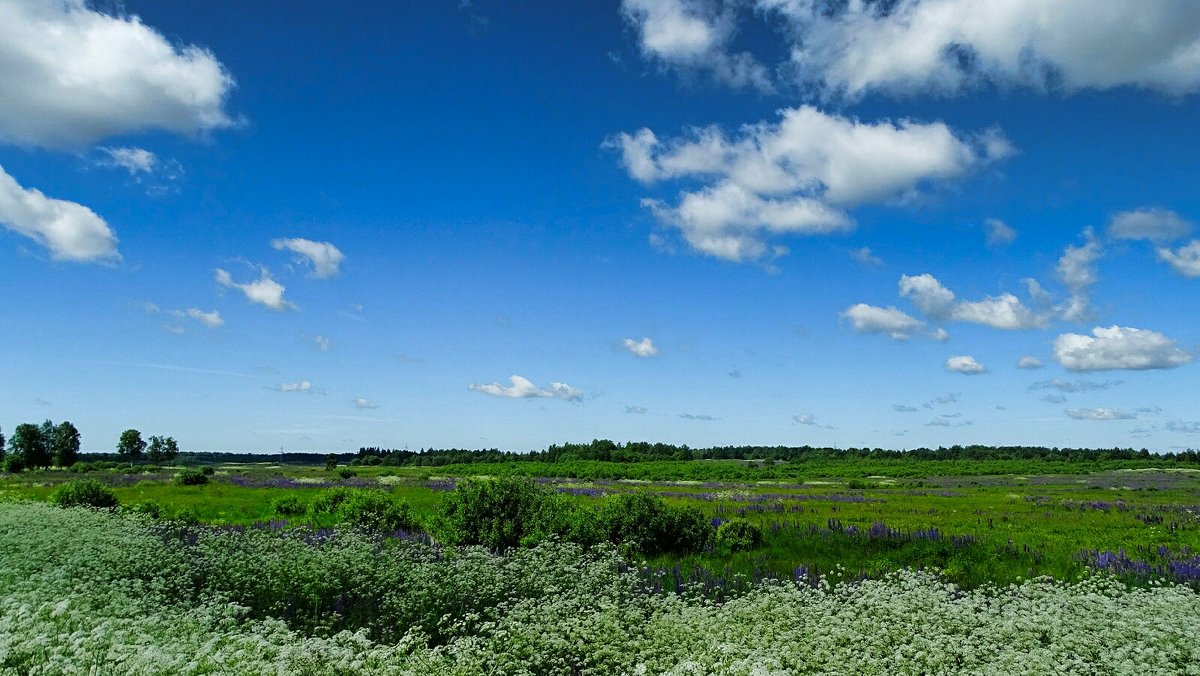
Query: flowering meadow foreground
[98, 592]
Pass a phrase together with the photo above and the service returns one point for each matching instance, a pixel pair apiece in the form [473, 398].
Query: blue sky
[507, 225]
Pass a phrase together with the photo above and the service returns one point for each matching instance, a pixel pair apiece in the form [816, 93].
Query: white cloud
[1029, 362]
[1077, 271]
[964, 364]
[1156, 225]
[940, 334]
[1005, 311]
[210, 319]
[522, 388]
[71, 231]
[690, 35]
[865, 257]
[805, 419]
[943, 46]
[134, 160]
[1118, 347]
[266, 291]
[998, 232]
[640, 348]
[635, 410]
[1099, 414]
[364, 403]
[83, 75]
[323, 343]
[796, 176]
[1185, 259]
[322, 256]
[302, 386]
[871, 319]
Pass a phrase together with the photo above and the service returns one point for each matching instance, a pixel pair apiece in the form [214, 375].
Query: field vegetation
[380, 563]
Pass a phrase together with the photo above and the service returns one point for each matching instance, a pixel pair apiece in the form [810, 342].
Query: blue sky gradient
[476, 170]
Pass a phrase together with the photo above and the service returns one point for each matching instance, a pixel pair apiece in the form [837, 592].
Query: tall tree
[65, 444]
[30, 445]
[1, 446]
[170, 449]
[130, 446]
[162, 449]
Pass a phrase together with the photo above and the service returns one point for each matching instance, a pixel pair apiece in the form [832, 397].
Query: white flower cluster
[85, 592]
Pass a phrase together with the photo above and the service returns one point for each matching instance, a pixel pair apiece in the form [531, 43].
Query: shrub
[190, 477]
[376, 510]
[649, 525]
[207, 471]
[328, 501]
[347, 473]
[495, 513]
[739, 535]
[14, 464]
[290, 505]
[85, 493]
[149, 508]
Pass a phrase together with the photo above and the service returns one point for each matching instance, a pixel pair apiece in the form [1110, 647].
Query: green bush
[347, 473]
[739, 535]
[190, 477]
[14, 464]
[85, 493]
[207, 470]
[149, 508]
[328, 501]
[648, 524]
[495, 513]
[376, 510]
[290, 505]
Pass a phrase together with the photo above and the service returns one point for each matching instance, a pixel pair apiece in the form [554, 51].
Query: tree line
[34, 446]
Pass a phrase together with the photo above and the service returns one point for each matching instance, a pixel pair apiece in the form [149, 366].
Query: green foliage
[495, 513]
[162, 449]
[329, 500]
[130, 446]
[14, 464]
[289, 505]
[85, 493]
[148, 508]
[331, 462]
[64, 444]
[649, 525]
[190, 477]
[739, 535]
[347, 473]
[376, 510]
[207, 470]
[31, 445]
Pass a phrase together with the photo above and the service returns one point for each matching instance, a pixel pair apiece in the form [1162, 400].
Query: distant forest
[604, 450]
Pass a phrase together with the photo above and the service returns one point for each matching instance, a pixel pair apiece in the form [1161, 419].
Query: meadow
[482, 568]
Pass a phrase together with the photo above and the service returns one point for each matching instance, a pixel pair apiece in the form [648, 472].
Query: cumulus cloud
[887, 320]
[866, 258]
[522, 388]
[84, 75]
[1077, 271]
[302, 386]
[1029, 362]
[266, 291]
[1185, 259]
[134, 160]
[796, 176]
[998, 232]
[944, 46]
[640, 348]
[964, 364]
[1099, 414]
[360, 402]
[1005, 311]
[689, 34]
[324, 257]
[1153, 224]
[70, 231]
[1118, 347]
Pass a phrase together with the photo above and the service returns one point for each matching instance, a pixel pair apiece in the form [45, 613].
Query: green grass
[1022, 526]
